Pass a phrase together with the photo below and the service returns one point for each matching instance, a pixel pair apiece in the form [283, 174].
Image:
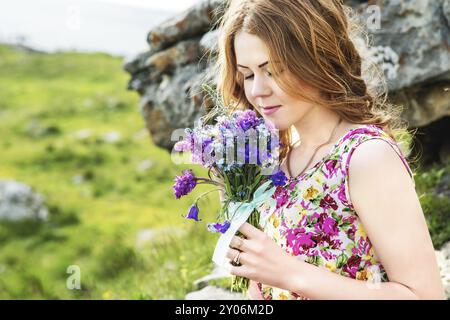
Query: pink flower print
[352, 265]
[282, 196]
[292, 185]
[315, 216]
[327, 255]
[329, 169]
[362, 248]
[329, 227]
[319, 238]
[356, 251]
[325, 225]
[299, 241]
[365, 130]
[305, 205]
[328, 202]
[341, 194]
[351, 232]
[364, 245]
[349, 219]
[335, 244]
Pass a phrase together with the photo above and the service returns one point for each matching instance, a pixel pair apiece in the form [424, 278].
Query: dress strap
[361, 135]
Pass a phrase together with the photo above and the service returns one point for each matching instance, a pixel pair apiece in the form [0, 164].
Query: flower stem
[204, 194]
[204, 181]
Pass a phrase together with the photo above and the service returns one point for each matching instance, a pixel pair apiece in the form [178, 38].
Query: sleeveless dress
[314, 218]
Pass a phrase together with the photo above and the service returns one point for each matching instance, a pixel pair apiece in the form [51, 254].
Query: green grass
[436, 206]
[98, 200]
[45, 101]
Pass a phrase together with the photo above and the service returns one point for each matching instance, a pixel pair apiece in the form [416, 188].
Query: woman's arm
[386, 202]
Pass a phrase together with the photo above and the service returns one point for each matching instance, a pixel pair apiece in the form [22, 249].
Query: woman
[348, 223]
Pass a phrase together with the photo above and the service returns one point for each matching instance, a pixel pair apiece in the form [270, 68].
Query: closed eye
[251, 76]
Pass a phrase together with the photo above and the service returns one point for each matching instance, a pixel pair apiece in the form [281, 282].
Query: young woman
[348, 223]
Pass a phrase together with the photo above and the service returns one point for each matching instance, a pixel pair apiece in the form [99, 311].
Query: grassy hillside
[56, 114]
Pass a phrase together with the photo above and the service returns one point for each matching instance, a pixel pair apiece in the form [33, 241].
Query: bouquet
[241, 151]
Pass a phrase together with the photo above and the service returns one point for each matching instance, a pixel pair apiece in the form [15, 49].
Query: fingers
[233, 253]
[249, 231]
[238, 243]
[241, 271]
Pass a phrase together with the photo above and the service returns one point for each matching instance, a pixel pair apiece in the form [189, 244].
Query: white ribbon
[241, 211]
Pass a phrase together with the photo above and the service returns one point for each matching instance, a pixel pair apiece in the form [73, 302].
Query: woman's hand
[261, 259]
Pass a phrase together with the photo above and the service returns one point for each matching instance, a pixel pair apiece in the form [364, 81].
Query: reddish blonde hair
[312, 40]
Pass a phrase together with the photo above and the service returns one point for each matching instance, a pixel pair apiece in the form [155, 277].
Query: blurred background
[90, 93]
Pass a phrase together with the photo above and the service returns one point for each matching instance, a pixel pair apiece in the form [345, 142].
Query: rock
[417, 32]
[145, 236]
[36, 129]
[217, 273]
[112, 137]
[19, 202]
[444, 153]
[425, 103]
[208, 43]
[411, 46]
[78, 179]
[443, 260]
[190, 23]
[214, 293]
[83, 134]
[144, 165]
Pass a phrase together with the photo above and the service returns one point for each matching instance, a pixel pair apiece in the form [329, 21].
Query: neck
[316, 127]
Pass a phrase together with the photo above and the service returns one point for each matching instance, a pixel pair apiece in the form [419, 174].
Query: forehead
[250, 50]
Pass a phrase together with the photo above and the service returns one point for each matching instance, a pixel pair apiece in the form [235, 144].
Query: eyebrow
[260, 66]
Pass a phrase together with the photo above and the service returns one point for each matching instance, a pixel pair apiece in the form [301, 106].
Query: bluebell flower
[279, 178]
[193, 213]
[219, 227]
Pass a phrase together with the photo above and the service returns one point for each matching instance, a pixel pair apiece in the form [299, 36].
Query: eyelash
[248, 77]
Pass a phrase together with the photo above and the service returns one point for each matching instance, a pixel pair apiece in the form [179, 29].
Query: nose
[260, 87]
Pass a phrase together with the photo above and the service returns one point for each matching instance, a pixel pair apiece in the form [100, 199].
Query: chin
[279, 124]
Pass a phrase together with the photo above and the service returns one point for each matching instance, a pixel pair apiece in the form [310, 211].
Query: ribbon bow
[242, 211]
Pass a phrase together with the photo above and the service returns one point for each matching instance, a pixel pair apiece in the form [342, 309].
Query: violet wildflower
[219, 227]
[247, 120]
[193, 213]
[279, 178]
[184, 184]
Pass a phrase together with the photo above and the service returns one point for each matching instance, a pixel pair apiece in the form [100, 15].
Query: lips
[270, 109]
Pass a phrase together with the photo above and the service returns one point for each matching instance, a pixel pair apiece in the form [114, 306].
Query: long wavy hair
[315, 41]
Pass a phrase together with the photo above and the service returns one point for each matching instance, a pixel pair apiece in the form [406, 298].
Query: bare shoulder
[374, 168]
[384, 197]
[376, 154]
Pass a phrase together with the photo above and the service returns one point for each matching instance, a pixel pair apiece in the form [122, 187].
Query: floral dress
[314, 218]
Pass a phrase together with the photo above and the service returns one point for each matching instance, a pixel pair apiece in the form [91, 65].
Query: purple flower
[218, 227]
[279, 178]
[193, 213]
[187, 143]
[182, 146]
[247, 120]
[184, 184]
